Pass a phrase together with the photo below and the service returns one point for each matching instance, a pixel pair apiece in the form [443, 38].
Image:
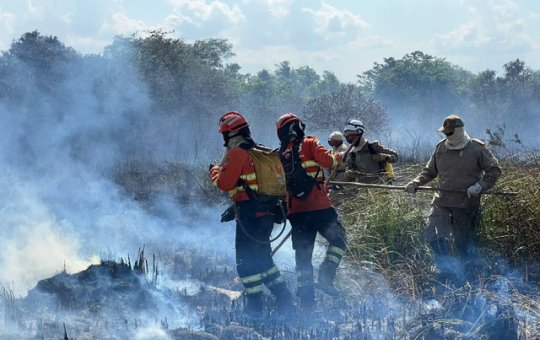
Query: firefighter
[309, 208]
[368, 162]
[464, 164]
[336, 142]
[254, 220]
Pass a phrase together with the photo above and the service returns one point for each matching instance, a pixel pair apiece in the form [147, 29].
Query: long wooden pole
[421, 188]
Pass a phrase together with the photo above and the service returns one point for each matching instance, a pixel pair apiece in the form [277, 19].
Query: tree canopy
[162, 83]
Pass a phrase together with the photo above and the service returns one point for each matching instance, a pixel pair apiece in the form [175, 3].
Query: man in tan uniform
[336, 141]
[367, 161]
[463, 164]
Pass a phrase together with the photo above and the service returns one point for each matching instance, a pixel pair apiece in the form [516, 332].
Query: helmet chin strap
[227, 136]
[241, 137]
[292, 131]
[359, 139]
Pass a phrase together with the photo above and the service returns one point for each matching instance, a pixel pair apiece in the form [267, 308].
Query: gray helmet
[354, 125]
[336, 135]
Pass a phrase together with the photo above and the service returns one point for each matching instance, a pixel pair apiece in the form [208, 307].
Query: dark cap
[451, 123]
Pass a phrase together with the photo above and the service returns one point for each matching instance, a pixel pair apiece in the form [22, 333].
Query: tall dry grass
[386, 228]
[511, 225]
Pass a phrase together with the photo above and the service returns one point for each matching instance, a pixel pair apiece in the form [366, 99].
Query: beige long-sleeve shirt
[459, 169]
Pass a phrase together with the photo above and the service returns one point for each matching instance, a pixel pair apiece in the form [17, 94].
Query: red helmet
[286, 119]
[231, 122]
[289, 124]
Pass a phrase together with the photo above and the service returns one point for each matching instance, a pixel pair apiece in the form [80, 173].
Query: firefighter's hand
[411, 187]
[379, 157]
[474, 190]
[350, 175]
[339, 157]
[214, 173]
[391, 158]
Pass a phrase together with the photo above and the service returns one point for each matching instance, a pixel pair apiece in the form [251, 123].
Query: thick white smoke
[59, 149]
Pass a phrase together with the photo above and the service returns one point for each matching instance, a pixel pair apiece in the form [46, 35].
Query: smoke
[412, 129]
[63, 133]
[151, 333]
[62, 138]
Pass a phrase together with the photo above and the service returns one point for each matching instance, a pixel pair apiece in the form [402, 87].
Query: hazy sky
[345, 37]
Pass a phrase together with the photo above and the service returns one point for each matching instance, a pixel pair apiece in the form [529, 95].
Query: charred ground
[388, 283]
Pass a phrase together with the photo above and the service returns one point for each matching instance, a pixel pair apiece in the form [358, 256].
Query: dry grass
[12, 312]
[145, 179]
[386, 228]
[386, 235]
[510, 225]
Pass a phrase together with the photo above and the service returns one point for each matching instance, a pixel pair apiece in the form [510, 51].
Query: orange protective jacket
[237, 165]
[313, 156]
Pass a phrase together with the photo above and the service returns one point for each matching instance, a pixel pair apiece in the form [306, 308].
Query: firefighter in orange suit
[309, 207]
[254, 220]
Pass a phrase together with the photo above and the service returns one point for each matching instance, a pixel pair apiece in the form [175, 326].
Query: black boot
[327, 273]
[284, 301]
[306, 297]
[254, 305]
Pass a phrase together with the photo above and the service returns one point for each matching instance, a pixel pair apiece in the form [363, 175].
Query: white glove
[474, 190]
[411, 187]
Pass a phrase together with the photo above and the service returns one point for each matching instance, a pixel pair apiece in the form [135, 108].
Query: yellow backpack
[269, 171]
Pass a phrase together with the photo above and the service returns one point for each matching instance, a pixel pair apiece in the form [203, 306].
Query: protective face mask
[457, 140]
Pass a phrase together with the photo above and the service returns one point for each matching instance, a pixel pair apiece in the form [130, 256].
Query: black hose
[262, 241]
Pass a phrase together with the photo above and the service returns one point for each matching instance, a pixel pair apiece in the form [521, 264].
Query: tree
[43, 59]
[183, 78]
[329, 83]
[418, 82]
[331, 111]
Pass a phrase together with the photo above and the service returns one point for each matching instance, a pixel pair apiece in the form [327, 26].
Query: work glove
[391, 158]
[229, 214]
[383, 157]
[474, 190]
[411, 187]
[350, 175]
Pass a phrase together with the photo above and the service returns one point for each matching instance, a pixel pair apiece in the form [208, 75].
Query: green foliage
[177, 72]
[270, 94]
[421, 88]
[418, 80]
[516, 94]
[44, 60]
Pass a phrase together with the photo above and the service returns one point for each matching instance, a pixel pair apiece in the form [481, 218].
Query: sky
[344, 37]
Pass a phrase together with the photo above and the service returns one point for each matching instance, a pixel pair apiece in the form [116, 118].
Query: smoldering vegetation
[106, 154]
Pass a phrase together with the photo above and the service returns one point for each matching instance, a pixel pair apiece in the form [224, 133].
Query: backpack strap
[251, 194]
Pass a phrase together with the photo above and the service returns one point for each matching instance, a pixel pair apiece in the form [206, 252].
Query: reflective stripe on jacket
[237, 165]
